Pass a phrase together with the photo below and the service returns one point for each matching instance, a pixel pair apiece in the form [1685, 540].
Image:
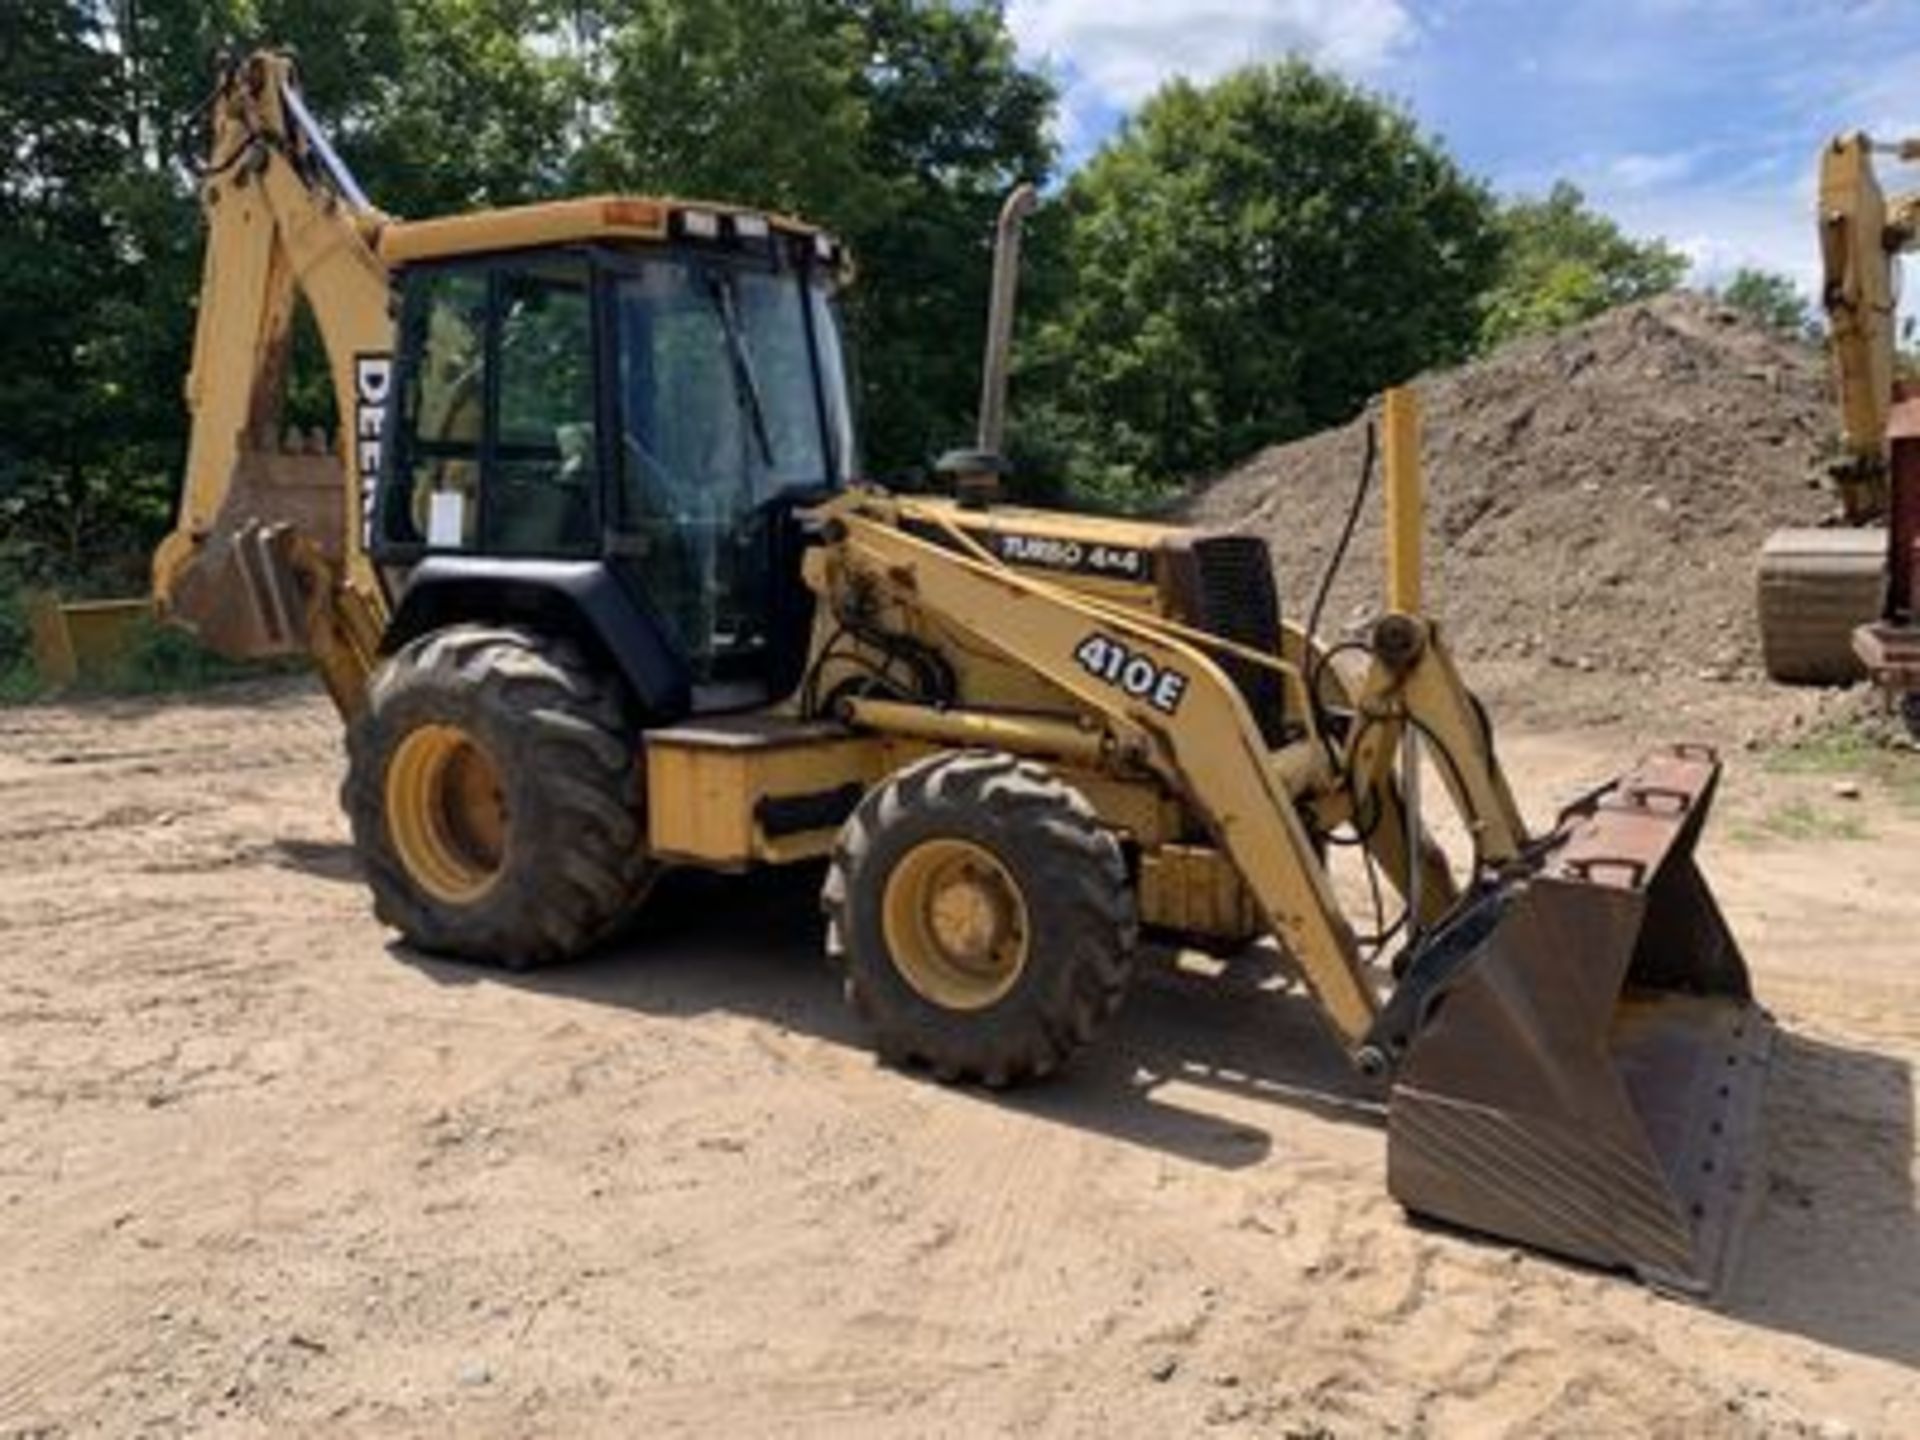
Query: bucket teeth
[1579, 1061]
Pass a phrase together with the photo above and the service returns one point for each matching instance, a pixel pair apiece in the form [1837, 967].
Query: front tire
[494, 788]
[982, 916]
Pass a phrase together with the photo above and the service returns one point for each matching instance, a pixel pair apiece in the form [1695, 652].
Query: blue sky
[1696, 120]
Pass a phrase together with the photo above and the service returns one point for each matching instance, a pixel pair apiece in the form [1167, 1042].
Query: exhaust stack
[976, 473]
[1006, 288]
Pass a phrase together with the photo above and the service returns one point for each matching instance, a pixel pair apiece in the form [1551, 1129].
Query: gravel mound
[1597, 498]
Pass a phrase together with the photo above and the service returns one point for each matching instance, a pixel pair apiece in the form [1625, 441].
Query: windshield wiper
[720, 292]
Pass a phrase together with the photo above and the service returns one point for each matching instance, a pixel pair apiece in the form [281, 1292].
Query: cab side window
[434, 500]
[544, 477]
[497, 447]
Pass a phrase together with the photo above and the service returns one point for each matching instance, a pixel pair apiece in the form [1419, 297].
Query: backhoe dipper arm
[267, 555]
[1863, 233]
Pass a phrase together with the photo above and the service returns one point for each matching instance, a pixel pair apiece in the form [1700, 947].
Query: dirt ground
[261, 1172]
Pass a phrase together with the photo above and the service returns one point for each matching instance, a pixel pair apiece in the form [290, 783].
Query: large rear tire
[983, 918]
[494, 788]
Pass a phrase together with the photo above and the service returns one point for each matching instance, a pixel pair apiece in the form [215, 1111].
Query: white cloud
[1721, 230]
[1115, 53]
[1650, 171]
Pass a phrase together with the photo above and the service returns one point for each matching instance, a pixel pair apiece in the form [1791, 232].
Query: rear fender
[579, 598]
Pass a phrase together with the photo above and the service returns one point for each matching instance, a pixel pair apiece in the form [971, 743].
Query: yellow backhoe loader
[1837, 603]
[592, 580]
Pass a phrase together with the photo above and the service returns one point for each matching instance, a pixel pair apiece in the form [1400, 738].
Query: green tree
[1250, 261]
[1771, 299]
[471, 105]
[954, 124]
[65, 269]
[438, 105]
[731, 98]
[99, 226]
[900, 124]
[1566, 263]
[167, 49]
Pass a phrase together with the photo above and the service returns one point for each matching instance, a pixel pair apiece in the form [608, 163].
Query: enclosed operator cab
[614, 434]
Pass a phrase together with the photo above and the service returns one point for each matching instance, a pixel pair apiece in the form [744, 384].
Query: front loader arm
[1166, 702]
[1201, 738]
[267, 555]
[1573, 1053]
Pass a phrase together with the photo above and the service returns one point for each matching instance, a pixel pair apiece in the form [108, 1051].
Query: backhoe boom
[268, 553]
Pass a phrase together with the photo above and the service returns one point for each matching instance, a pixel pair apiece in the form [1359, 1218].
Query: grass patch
[19, 685]
[1801, 820]
[159, 660]
[1862, 750]
[18, 682]
[162, 660]
[1837, 748]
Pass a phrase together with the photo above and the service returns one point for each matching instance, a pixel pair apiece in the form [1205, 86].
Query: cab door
[720, 442]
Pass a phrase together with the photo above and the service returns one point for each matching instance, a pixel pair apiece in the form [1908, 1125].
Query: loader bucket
[84, 639]
[1580, 1061]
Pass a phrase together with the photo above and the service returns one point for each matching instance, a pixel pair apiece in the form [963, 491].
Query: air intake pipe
[976, 473]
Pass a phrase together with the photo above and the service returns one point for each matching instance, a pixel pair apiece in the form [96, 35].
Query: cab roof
[610, 218]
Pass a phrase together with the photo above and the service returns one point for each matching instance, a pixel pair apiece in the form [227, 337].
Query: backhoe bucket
[1580, 1061]
[237, 585]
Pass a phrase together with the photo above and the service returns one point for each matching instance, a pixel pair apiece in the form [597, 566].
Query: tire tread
[588, 868]
[1080, 875]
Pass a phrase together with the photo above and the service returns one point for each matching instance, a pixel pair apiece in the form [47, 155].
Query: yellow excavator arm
[268, 552]
[1818, 586]
[1863, 233]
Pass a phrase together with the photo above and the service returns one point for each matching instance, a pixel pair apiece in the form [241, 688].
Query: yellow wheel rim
[955, 924]
[445, 813]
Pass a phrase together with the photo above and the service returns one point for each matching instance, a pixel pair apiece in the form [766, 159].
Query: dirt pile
[1597, 498]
